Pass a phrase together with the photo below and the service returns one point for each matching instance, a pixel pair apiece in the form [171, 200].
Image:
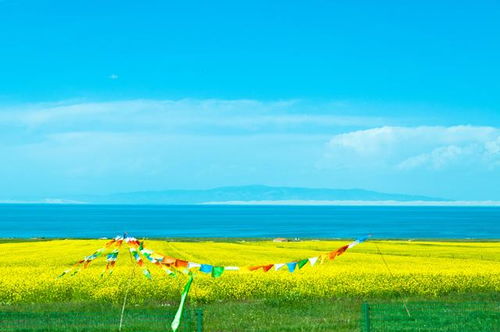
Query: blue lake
[90, 221]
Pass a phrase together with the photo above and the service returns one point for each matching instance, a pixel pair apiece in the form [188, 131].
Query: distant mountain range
[253, 193]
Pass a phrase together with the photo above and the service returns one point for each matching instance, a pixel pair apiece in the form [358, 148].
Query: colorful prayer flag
[147, 274]
[291, 266]
[313, 260]
[302, 262]
[206, 268]
[267, 267]
[191, 265]
[254, 268]
[181, 263]
[341, 250]
[217, 271]
[231, 268]
[278, 266]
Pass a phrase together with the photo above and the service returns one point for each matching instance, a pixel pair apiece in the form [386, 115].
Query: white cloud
[185, 115]
[405, 148]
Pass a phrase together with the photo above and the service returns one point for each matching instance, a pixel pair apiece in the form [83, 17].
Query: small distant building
[280, 239]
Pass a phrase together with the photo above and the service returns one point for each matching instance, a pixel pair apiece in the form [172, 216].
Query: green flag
[217, 271]
[302, 263]
[178, 315]
[147, 274]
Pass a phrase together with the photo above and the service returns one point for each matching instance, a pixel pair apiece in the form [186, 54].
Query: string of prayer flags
[140, 262]
[312, 261]
[111, 257]
[132, 242]
[136, 249]
[136, 256]
[87, 260]
[166, 263]
[110, 261]
[148, 254]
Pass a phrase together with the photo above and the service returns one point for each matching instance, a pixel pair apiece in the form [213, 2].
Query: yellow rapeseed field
[29, 271]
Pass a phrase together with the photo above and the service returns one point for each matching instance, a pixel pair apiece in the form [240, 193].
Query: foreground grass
[478, 312]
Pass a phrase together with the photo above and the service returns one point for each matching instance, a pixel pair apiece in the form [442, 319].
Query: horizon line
[415, 203]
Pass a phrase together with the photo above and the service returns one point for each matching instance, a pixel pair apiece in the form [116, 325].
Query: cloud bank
[406, 148]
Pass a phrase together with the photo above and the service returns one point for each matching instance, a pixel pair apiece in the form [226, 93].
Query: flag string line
[132, 276]
[404, 299]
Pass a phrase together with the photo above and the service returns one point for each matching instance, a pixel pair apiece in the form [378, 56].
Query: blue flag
[206, 268]
[291, 266]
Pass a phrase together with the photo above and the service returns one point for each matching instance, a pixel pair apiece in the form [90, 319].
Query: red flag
[341, 250]
[267, 267]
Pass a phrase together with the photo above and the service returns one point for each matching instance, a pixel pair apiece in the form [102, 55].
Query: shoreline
[274, 203]
[252, 239]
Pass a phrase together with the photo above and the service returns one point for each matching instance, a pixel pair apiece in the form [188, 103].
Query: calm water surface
[90, 221]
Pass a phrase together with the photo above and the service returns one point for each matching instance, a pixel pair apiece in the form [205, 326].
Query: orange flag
[181, 263]
[265, 268]
[169, 260]
[254, 268]
[337, 252]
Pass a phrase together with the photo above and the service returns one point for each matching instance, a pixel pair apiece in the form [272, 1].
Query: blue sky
[101, 97]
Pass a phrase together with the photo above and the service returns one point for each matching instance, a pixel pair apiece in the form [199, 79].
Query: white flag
[352, 244]
[278, 266]
[191, 265]
[313, 260]
[231, 268]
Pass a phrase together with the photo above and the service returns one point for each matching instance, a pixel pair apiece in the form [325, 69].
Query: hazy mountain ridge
[247, 193]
